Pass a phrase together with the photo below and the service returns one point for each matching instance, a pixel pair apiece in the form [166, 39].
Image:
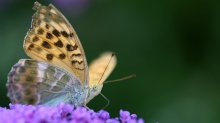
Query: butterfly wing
[101, 68]
[34, 82]
[52, 39]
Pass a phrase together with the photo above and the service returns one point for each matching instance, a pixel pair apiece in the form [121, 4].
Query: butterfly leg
[108, 102]
[86, 107]
[85, 101]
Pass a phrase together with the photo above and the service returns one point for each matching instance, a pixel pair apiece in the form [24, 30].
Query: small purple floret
[63, 113]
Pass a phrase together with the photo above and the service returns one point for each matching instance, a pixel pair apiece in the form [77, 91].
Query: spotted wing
[34, 82]
[101, 68]
[52, 39]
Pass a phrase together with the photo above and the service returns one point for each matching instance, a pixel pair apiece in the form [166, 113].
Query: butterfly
[58, 71]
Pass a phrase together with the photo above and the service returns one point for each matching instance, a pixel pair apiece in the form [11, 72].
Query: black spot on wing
[65, 34]
[71, 34]
[75, 61]
[30, 46]
[46, 45]
[40, 31]
[49, 57]
[47, 26]
[35, 39]
[59, 44]
[56, 33]
[70, 47]
[62, 56]
[49, 36]
[77, 55]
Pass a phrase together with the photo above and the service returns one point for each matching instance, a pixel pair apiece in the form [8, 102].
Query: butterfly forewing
[52, 39]
[101, 68]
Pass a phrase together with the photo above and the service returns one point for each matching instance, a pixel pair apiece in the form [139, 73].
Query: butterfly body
[58, 71]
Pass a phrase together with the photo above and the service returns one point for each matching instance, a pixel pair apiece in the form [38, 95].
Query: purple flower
[63, 113]
[73, 6]
[125, 115]
[103, 115]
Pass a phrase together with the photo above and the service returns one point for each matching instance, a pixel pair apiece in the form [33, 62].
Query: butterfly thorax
[94, 91]
[77, 97]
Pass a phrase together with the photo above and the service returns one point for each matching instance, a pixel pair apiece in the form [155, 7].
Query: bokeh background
[172, 46]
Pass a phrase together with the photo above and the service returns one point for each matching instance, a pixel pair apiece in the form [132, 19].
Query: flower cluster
[63, 113]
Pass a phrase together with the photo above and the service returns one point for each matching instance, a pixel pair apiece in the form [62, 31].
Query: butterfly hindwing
[52, 39]
[34, 82]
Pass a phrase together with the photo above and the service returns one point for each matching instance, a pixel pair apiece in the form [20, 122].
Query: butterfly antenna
[121, 79]
[107, 100]
[113, 54]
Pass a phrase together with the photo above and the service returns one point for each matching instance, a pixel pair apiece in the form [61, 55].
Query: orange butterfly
[58, 70]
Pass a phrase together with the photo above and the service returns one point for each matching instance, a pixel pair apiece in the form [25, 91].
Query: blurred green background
[172, 46]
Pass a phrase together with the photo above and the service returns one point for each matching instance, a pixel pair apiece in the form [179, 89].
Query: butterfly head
[94, 91]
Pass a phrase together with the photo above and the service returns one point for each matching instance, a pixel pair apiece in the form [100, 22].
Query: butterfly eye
[94, 88]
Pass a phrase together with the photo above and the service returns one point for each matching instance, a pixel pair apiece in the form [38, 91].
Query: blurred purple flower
[63, 113]
[5, 3]
[73, 6]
